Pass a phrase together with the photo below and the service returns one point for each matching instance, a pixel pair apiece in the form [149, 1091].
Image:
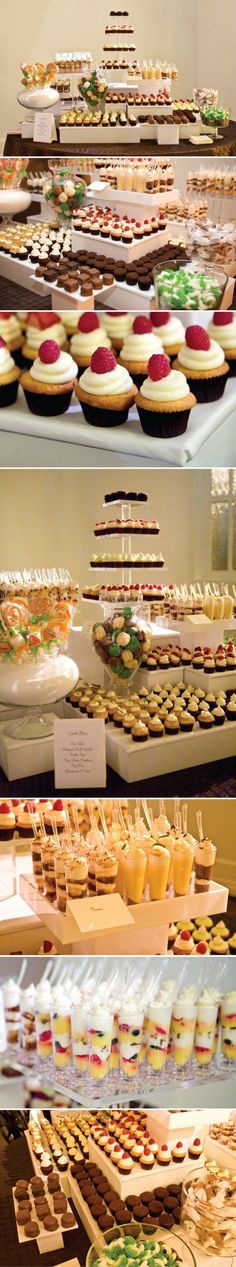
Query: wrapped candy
[35, 614]
[12, 172]
[36, 75]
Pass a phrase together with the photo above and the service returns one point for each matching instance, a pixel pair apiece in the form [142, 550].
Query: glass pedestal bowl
[142, 1232]
[34, 669]
[189, 285]
[120, 639]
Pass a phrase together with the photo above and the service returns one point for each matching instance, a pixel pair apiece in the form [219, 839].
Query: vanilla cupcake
[202, 360]
[139, 345]
[9, 377]
[39, 326]
[105, 390]
[117, 326]
[170, 330]
[88, 336]
[164, 400]
[11, 333]
[223, 329]
[49, 383]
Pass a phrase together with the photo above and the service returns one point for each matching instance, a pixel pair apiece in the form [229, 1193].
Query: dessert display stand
[132, 1184]
[88, 241]
[127, 202]
[155, 757]
[22, 274]
[47, 1242]
[64, 1178]
[99, 134]
[146, 931]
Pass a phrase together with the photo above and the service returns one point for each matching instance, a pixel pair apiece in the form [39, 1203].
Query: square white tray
[88, 241]
[99, 135]
[135, 762]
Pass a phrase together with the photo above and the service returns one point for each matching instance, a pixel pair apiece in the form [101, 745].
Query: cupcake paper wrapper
[208, 386]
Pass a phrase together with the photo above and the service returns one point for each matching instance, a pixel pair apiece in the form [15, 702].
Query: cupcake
[11, 332]
[164, 1155]
[183, 944]
[195, 1148]
[164, 400]
[202, 360]
[39, 326]
[170, 330]
[88, 336]
[223, 329]
[232, 944]
[70, 321]
[49, 384]
[178, 1152]
[105, 390]
[7, 821]
[218, 946]
[147, 1159]
[9, 376]
[117, 326]
[138, 347]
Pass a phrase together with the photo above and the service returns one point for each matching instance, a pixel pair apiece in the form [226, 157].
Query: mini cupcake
[186, 721]
[39, 326]
[170, 330]
[206, 719]
[164, 401]
[11, 332]
[232, 944]
[195, 1148]
[105, 390]
[117, 326]
[231, 709]
[138, 347]
[139, 732]
[203, 362]
[201, 948]
[88, 336]
[147, 1159]
[184, 944]
[223, 329]
[178, 1152]
[9, 376]
[164, 1155]
[218, 946]
[49, 384]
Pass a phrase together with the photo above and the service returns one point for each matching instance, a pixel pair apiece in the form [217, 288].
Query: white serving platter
[136, 251]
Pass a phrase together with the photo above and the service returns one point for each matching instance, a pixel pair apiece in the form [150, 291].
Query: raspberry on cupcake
[202, 360]
[49, 384]
[138, 346]
[164, 400]
[88, 336]
[105, 390]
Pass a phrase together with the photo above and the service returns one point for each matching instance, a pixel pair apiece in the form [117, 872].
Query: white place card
[96, 914]
[80, 753]
[44, 126]
[198, 619]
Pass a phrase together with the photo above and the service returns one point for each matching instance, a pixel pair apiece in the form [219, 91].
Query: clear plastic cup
[106, 868]
[135, 868]
[36, 853]
[79, 1034]
[76, 877]
[158, 1022]
[60, 873]
[228, 1025]
[100, 1025]
[49, 874]
[61, 1031]
[183, 1029]
[205, 1032]
[183, 857]
[130, 1027]
[158, 869]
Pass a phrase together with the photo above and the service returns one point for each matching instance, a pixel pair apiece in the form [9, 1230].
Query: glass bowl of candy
[212, 241]
[188, 285]
[144, 1242]
[208, 1215]
[205, 97]
[214, 117]
[36, 612]
[65, 191]
[120, 640]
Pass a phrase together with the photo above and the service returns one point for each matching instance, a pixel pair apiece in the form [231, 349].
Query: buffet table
[226, 144]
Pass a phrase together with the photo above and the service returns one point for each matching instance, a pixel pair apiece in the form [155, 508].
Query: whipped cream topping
[197, 359]
[225, 335]
[84, 344]
[173, 387]
[6, 361]
[62, 371]
[113, 383]
[35, 337]
[139, 347]
[9, 328]
[171, 333]
[70, 320]
[117, 325]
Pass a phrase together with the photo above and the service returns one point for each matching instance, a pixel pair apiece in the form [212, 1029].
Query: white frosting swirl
[35, 337]
[139, 347]
[64, 370]
[9, 328]
[83, 344]
[171, 333]
[197, 359]
[117, 325]
[114, 383]
[225, 335]
[6, 361]
[173, 387]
